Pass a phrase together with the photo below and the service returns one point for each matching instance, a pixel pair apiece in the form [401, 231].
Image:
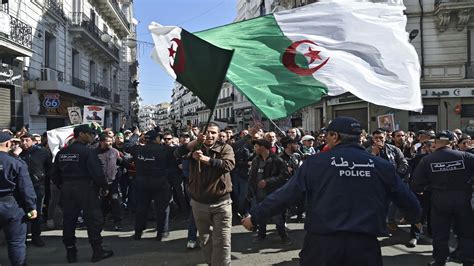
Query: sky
[193, 15]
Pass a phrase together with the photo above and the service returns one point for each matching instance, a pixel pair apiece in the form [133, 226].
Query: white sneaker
[192, 244]
[50, 224]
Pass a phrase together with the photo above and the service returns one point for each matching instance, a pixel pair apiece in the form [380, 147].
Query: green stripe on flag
[256, 68]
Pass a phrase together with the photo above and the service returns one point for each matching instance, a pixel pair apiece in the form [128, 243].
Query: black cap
[26, 135]
[445, 135]
[152, 134]
[4, 136]
[83, 129]
[263, 143]
[346, 125]
[285, 141]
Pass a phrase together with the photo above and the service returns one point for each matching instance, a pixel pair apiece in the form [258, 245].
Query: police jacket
[443, 170]
[274, 172]
[77, 162]
[15, 180]
[395, 156]
[39, 163]
[347, 189]
[152, 162]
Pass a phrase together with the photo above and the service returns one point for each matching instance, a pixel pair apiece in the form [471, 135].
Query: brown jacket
[213, 183]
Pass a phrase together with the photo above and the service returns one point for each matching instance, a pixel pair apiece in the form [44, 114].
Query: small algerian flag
[288, 60]
[196, 64]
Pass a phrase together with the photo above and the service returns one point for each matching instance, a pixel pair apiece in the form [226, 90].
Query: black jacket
[39, 164]
[275, 173]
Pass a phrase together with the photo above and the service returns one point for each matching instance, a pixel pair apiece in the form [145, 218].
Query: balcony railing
[100, 91]
[80, 19]
[56, 7]
[51, 74]
[122, 16]
[76, 82]
[116, 98]
[4, 7]
[20, 32]
[226, 99]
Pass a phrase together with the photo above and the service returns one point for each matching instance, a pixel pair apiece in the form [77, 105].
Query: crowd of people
[218, 177]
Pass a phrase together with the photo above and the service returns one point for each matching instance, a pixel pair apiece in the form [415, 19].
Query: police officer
[77, 171]
[347, 191]
[448, 174]
[152, 161]
[16, 192]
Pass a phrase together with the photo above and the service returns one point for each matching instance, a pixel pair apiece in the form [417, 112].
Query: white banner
[94, 113]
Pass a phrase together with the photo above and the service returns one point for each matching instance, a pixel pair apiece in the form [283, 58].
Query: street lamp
[106, 38]
[413, 35]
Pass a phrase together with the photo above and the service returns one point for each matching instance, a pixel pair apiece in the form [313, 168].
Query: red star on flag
[172, 51]
[313, 54]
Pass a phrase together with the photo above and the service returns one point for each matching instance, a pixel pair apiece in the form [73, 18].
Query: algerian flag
[288, 60]
[196, 64]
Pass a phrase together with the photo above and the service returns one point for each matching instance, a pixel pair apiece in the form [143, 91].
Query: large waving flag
[196, 64]
[288, 60]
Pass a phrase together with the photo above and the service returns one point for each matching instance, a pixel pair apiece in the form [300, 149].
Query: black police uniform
[347, 193]
[151, 162]
[78, 173]
[16, 192]
[448, 174]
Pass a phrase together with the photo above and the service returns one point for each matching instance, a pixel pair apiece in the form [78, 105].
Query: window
[49, 50]
[470, 55]
[92, 72]
[263, 12]
[76, 66]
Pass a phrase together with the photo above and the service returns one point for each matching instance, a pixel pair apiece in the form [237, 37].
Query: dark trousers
[161, 198]
[340, 249]
[36, 223]
[11, 220]
[176, 183]
[452, 208]
[77, 196]
[279, 221]
[111, 202]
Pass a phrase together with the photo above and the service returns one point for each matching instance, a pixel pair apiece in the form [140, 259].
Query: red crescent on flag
[289, 61]
[178, 67]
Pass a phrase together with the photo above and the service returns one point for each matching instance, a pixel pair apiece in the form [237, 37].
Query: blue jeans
[192, 229]
[240, 186]
[11, 220]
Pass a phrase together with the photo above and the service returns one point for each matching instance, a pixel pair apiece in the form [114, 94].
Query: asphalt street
[172, 250]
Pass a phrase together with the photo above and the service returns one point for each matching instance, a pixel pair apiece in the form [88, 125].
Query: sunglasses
[167, 138]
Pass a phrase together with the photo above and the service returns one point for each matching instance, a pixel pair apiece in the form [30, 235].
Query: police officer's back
[448, 174]
[152, 161]
[16, 195]
[78, 172]
[347, 191]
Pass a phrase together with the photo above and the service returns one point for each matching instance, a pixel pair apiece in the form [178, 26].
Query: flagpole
[281, 131]
[204, 132]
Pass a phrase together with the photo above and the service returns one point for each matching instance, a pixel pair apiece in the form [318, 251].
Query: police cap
[152, 134]
[83, 129]
[346, 125]
[445, 135]
[4, 136]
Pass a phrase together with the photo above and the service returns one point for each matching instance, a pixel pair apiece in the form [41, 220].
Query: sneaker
[412, 243]
[117, 227]
[165, 235]
[191, 244]
[159, 237]
[50, 224]
[100, 254]
[37, 241]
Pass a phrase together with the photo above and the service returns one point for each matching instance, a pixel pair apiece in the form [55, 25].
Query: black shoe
[100, 254]
[159, 237]
[117, 227]
[37, 241]
[71, 254]
[137, 236]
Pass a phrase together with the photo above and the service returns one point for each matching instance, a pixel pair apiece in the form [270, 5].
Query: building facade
[70, 54]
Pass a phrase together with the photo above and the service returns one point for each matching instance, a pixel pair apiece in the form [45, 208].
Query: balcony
[226, 99]
[100, 91]
[202, 108]
[51, 74]
[461, 10]
[55, 7]
[112, 13]
[16, 37]
[79, 83]
[83, 28]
